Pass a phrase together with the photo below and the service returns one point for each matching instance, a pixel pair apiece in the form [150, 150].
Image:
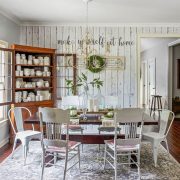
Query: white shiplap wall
[116, 82]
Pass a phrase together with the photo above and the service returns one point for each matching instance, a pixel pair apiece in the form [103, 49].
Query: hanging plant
[95, 63]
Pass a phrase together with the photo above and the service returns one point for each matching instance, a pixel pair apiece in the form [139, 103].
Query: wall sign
[100, 41]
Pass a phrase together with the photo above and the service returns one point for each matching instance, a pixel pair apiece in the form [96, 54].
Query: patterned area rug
[91, 166]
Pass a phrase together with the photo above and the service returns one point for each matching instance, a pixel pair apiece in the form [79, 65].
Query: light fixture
[86, 49]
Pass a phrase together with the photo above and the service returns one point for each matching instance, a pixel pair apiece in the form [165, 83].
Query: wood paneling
[116, 82]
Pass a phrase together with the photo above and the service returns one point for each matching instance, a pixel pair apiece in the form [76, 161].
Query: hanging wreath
[95, 63]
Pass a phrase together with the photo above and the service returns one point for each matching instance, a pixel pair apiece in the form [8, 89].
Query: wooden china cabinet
[33, 78]
[36, 78]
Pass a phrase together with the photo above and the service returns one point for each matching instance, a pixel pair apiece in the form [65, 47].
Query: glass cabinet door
[6, 86]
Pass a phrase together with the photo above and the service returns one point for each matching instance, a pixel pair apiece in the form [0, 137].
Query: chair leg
[167, 147]
[25, 153]
[79, 157]
[138, 161]
[43, 164]
[65, 167]
[105, 155]
[55, 158]
[28, 148]
[82, 147]
[138, 158]
[155, 153]
[115, 165]
[139, 172]
[129, 159]
[14, 146]
[99, 148]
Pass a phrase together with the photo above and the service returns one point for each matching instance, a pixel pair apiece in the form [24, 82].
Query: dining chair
[25, 136]
[111, 101]
[72, 101]
[56, 122]
[131, 121]
[166, 118]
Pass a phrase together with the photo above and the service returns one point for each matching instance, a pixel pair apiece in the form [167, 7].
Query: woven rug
[91, 166]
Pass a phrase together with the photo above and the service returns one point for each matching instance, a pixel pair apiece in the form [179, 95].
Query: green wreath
[95, 63]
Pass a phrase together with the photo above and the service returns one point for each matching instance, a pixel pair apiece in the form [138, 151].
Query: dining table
[88, 132]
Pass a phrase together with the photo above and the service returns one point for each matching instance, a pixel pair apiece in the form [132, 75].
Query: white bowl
[39, 73]
[36, 61]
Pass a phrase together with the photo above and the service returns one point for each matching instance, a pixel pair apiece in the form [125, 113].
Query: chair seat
[28, 134]
[121, 148]
[71, 146]
[152, 135]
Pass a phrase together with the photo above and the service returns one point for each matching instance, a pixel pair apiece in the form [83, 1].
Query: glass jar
[83, 100]
[100, 100]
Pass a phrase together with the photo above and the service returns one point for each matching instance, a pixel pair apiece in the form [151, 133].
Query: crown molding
[11, 17]
[101, 24]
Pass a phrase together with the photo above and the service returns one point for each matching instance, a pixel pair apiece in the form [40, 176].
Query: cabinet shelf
[42, 88]
[34, 76]
[39, 103]
[33, 65]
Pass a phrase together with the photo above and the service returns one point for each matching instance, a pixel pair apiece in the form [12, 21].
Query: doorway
[154, 66]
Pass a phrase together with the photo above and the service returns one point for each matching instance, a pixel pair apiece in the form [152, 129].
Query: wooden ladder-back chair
[56, 122]
[131, 120]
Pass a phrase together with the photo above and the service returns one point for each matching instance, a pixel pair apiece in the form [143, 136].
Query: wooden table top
[34, 119]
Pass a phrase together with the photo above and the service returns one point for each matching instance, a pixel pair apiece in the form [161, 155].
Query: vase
[83, 101]
[100, 100]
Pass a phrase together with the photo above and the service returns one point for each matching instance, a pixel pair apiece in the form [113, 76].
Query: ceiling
[100, 11]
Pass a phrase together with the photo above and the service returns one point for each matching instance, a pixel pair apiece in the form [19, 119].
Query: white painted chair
[166, 120]
[111, 101]
[72, 101]
[56, 122]
[131, 120]
[20, 134]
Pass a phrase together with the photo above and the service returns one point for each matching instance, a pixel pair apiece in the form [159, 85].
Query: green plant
[70, 85]
[96, 83]
[82, 81]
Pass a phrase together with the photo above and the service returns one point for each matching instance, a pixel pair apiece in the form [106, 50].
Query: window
[5, 79]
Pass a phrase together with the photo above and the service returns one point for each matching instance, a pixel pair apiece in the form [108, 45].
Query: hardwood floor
[173, 141]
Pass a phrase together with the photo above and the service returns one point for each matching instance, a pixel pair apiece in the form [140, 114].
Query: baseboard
[4, 142]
